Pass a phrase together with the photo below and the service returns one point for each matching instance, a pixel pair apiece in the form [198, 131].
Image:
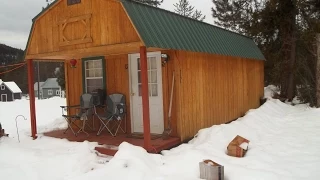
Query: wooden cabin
[127, 47]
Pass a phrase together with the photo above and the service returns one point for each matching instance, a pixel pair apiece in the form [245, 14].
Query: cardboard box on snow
[210, 170]
[238, 146]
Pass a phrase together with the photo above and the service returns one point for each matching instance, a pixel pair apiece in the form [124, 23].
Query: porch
[108, 144]
[95, 47]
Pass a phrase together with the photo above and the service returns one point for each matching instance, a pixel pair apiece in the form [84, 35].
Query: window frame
[71, 2]
[58, 92]
[150, 70]
[84, 78]
[3, 87]
[50, 92]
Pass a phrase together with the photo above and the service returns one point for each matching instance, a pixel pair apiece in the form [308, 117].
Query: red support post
[145, 97]
[32, 98]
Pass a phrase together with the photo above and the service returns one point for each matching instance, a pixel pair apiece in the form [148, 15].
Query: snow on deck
[284, 144]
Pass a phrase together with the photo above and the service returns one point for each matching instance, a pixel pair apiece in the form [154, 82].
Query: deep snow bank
[284, 144]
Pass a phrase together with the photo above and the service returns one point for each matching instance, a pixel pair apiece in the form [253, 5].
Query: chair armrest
[65, 107]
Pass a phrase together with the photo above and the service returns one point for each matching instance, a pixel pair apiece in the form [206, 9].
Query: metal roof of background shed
[164, 29]
[50, 83]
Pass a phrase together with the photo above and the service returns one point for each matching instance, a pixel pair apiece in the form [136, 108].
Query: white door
[155, 93]
[4, 98]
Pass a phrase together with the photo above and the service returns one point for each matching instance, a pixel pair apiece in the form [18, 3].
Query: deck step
[107, 150]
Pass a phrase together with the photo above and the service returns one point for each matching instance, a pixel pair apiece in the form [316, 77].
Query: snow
[44, 158]
[270, 91]
[284, 144]
[13, 87]
[244, 145]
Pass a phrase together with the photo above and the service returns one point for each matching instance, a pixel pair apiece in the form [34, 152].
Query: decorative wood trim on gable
[86, 38]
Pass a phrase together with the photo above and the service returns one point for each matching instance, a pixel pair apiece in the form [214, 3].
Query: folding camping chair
[82, 112]
[114, 111]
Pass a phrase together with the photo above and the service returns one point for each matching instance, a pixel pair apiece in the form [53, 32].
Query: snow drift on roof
[50, 83]
[13, 87]
[36, 85]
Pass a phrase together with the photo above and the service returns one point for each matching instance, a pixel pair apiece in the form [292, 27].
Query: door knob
[132, 94]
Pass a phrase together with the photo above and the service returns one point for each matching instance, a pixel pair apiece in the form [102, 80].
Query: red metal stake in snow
[32, 99]
[145, 98]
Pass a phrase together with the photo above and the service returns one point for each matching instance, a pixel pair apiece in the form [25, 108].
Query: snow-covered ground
[284, 144]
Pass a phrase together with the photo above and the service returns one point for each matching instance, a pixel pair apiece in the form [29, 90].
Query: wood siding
[73, 78]
[117, 77]
[209, 89]
[108, 25]
[167, 72]
[7, 92]
[117, 81]
[214, 89]
[17, 95]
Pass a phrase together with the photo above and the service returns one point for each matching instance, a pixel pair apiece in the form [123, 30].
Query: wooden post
[32, 98]
[38, 75]
[145, 97]
[318, 70]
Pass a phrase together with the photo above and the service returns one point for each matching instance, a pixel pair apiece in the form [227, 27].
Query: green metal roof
[164, 29]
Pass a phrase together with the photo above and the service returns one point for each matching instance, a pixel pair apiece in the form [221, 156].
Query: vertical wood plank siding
[117, 77]
[209, 89]
[109, 25]
[214, 89]
[117, 81]
[167, 72]
[73, 84]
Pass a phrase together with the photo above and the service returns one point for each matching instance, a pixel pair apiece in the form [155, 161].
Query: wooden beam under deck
[108, 144]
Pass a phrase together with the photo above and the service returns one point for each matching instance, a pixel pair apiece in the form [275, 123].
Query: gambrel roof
[159, 28]
[168, 30]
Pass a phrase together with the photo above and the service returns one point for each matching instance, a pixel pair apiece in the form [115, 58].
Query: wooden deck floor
[106, 141]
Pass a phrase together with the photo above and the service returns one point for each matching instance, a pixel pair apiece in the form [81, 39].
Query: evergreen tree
[49, 2]
[155, 3]
[284, 30]
[184, 8]
[59, 73]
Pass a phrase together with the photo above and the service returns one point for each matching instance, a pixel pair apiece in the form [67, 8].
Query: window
[58, 92]
[72, 2]
[94, 75]
[3, 87]
[152, 77]
[50, 92]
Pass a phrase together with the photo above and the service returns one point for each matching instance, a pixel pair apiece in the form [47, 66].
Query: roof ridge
[176, 14]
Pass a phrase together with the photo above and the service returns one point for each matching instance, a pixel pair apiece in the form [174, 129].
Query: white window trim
[88, 78]
[50, 92]
[3, 87]
[58, 92]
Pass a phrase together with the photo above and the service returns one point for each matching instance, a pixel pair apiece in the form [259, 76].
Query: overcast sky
[16, 16]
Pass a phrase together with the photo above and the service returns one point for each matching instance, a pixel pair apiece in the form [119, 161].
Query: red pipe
[145, 98]
[32, 99]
